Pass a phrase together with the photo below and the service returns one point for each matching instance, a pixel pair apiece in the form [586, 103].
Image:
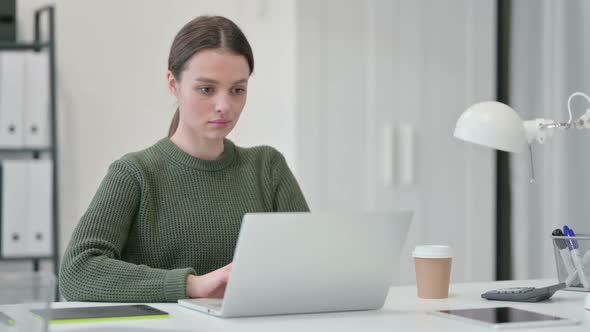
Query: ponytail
[174, 123]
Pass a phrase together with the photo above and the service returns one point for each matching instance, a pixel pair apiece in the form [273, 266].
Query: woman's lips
[219, 123]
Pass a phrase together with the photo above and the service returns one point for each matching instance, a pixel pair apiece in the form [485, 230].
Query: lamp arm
[539, 129]
[569, 107]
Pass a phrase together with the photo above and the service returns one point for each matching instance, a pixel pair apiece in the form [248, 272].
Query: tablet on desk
[504, 317]
[99, 314]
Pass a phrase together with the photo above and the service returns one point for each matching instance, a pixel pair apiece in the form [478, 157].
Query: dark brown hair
[205, 32]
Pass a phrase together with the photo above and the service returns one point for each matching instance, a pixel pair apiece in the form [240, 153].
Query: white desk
[403, 311]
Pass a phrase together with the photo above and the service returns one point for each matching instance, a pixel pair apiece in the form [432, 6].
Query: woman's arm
[92, 269]
[287, 193]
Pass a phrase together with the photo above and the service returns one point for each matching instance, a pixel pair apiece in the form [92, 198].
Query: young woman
[164, 222]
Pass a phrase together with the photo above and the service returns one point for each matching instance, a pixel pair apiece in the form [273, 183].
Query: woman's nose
[222, 105]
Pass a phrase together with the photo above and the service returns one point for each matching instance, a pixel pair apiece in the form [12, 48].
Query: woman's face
[211, 93]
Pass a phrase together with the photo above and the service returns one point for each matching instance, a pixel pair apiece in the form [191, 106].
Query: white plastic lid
[432, 251]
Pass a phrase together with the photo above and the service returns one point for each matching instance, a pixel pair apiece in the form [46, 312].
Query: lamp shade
[492, 124]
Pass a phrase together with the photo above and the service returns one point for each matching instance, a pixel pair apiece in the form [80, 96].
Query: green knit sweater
[161, 214]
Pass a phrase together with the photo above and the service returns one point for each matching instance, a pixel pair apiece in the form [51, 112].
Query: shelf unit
[38, 45]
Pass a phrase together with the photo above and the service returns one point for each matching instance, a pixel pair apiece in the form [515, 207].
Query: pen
[565, 257]
[6, 319]
[573, 246]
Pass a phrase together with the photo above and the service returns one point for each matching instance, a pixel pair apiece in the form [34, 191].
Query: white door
[380, 85]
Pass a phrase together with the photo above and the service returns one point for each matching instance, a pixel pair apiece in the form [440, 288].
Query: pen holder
[21, 292]
[572, 259]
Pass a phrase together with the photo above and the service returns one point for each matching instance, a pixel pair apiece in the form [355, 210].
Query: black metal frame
[36, 46]
[503, 193]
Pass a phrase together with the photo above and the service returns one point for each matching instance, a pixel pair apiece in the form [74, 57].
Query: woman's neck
[197, 147]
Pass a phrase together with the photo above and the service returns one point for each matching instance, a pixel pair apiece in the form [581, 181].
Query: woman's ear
[172, 83]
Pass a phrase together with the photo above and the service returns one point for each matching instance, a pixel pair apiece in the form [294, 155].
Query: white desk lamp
[496, 125]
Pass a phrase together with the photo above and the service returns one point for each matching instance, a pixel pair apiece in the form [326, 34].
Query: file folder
[39, 212]
[14, 205]
[26, 206]
[11, 99]
[36, 100]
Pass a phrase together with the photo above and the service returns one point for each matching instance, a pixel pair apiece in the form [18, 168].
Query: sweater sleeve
[92, 269]
[287, 193]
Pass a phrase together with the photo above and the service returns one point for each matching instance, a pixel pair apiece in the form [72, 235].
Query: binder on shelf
[26, 208]
[36, 100]
[12, 84]
[14, 206]
[39, 212]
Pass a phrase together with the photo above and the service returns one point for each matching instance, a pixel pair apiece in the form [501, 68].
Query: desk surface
[403, 311]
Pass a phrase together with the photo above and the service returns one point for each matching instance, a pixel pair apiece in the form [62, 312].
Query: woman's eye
[238, 91]
[206, 90]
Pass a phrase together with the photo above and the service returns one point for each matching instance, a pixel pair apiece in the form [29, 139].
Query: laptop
[300, 262]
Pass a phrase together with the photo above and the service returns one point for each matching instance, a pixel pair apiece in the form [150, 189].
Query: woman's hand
[210, 285]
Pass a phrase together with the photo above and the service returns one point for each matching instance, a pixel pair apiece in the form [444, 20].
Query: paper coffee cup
[433, 270]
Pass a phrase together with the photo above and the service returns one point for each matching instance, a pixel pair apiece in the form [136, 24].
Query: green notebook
[100, 314]
[5, 319]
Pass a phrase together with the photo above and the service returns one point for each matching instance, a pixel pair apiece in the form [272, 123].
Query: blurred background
[362, 98]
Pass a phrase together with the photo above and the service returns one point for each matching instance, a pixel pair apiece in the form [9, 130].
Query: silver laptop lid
[314, 262]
